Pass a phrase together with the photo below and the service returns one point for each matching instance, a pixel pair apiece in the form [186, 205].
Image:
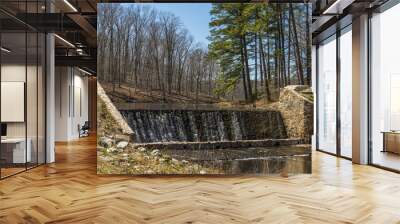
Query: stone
[155, 152]
[111, 150]
[136, 167]
[185, 162]
[106, 142]
[124, 164]
[121, 138]
[105, 158]
[174, 161]
[122, 145]
[202, 172]
[142, 149]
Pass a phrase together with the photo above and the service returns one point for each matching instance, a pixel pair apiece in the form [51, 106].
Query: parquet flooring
[69, 191]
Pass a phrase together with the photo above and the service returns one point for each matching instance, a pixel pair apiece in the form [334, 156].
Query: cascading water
[203, 126]
[219, 139]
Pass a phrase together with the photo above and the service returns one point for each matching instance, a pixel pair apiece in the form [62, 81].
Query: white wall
[70, 84]
[80, 94]
[61, 106]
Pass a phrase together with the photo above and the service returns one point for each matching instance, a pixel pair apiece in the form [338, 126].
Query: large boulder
[297, 107]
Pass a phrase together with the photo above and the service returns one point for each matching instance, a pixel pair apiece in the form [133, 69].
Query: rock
[111, 150]
[122, 145]
[124, 164]
[185, 162]
[121, 138]
[155, 152]
[106, 142]
[102, 150]
[174, 161]
[203, 172]
[196, 166]
[167, 158]
[142, 149]
[105, 158]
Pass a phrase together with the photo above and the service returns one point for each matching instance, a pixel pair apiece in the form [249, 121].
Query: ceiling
[74, 22]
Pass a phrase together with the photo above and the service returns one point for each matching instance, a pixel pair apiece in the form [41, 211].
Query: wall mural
[221, 88]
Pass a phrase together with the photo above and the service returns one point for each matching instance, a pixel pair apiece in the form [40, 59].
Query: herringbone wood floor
[69, 191]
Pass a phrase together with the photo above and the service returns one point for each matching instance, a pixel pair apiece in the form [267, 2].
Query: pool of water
[262, 160]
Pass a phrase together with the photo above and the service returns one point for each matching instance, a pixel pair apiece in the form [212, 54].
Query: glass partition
[385, 89]
[22, 87]
[14, 153]
[326, 98]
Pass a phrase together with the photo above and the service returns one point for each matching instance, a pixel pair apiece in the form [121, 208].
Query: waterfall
[203, 126]
[236, 127]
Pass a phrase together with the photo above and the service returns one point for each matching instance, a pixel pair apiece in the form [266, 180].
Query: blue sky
[194, 16]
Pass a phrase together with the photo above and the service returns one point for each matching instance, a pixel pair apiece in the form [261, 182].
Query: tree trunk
[289, 50]
[262, 64]
[255, 66]
[277, 70]
[282, 63]
[246, 61]
[300, 74]
[269, 67]
[112, 57]
[126, 56]
[246, 97]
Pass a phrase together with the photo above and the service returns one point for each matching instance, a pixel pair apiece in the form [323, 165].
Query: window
[326, 97]
[346, 93]
[385, 87]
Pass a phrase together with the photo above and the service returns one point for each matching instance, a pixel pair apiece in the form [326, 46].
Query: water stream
[217, 129]
[203, 125]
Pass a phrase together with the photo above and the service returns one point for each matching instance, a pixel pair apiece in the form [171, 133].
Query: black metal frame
[369, 90]
[44, 80]
[338, 98]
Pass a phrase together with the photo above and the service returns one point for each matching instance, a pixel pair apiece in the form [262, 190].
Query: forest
[255, 50]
